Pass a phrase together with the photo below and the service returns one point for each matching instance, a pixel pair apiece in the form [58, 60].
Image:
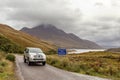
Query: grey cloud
[98, 4]
[107, 19]
[39, 11]
[102, 29]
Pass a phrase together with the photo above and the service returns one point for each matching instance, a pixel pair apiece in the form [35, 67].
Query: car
[34, 55]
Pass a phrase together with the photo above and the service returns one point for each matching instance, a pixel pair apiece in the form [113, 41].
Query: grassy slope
[102, 64]
[8, 46]
[6, 68]
[24, 39]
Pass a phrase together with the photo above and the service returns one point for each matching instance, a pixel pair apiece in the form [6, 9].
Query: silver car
[34, 55]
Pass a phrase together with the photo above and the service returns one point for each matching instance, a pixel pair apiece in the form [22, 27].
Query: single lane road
[47, 72]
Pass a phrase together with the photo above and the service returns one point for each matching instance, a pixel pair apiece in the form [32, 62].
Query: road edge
[18, 70]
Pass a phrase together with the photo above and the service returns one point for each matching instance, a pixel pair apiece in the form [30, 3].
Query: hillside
[24, 39]
[8, 46]
[114, 50]
[57, 36]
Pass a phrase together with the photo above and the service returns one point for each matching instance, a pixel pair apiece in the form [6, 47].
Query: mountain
[24, 39]
[114, 50]
[58, 37]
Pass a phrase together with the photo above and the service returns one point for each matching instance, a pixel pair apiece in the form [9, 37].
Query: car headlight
[44, 56]
[31, 56]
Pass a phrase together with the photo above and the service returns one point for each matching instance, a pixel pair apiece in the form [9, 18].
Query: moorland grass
[102, 64]
[6, 68]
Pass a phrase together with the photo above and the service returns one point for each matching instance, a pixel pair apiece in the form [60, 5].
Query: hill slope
[24, 39]
[8, 46]
[50, 33]
[114, 50]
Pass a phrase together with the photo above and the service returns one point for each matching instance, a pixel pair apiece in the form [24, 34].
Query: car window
[27, 50]
[35, 50]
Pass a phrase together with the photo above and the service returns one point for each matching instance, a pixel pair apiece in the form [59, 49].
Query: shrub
[74, 67]
[10, 57]
[118, 58]
[0, 57]
[108, 56]
[9, 46]
[3, 64]
[64, 63]
[1, 69]
[94, 63]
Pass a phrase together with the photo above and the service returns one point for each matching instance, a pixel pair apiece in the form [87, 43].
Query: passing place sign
[62, 51]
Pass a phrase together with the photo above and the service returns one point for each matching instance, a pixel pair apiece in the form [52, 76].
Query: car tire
[24, 60]
[43, 63]
[28, 62]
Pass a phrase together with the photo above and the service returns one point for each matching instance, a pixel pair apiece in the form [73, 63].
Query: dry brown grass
[7, 69]
[102, 64]
[24, 39]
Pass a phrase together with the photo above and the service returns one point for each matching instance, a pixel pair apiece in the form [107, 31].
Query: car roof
[32, 48]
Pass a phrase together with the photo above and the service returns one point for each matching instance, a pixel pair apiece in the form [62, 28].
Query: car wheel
[43, 63]
[28, 62]
[24, 60]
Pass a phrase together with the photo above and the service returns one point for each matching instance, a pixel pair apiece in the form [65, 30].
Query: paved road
[38, 72]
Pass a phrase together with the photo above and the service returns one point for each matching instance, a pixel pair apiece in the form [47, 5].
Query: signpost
[62, 51]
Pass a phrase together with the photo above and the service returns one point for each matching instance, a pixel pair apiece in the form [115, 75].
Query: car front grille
[38, 56]
[38, 59]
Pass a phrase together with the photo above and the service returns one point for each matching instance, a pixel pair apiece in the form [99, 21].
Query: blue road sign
[62, 52]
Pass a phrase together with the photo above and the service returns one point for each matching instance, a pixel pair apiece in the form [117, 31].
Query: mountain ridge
[24, 39]
[59, 37]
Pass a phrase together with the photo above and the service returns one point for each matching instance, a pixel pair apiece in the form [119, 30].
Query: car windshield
[35, 50]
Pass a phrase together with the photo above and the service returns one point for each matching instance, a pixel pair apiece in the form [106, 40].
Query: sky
[95, 20]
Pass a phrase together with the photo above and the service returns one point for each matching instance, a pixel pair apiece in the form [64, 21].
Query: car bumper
[37, 60]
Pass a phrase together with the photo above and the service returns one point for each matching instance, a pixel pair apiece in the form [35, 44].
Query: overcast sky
[96, 20]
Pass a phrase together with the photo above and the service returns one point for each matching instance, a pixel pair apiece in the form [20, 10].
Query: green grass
[7, 68]
[102, 64]
[9, 46]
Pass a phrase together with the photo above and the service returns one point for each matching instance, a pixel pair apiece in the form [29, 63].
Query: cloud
[104, 30]
[39, 11]
[89, 19]
[98, 4]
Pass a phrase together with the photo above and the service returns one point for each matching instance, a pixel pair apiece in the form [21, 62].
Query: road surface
[39, 72]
